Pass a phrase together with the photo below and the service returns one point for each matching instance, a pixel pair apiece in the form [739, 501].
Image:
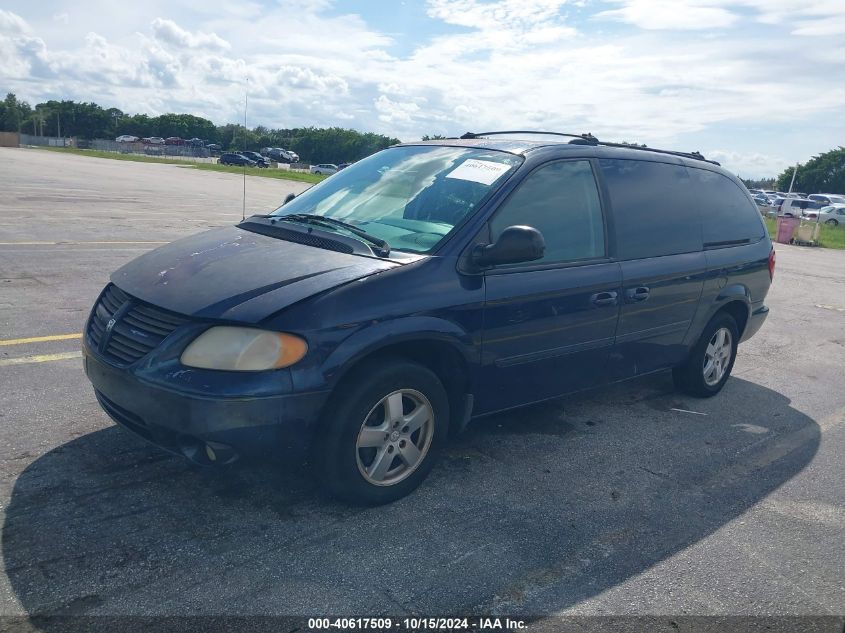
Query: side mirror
[516, 244]
[288, 198]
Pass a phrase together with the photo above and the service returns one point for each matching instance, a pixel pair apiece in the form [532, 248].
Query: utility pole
[59, 125]
[794, 173]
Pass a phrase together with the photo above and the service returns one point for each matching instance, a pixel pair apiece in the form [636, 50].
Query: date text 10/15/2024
[415, 624]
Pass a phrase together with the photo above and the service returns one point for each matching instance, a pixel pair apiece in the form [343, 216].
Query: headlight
[243, 349]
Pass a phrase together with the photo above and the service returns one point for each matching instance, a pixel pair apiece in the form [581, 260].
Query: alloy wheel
[395, 437]
[717, 356]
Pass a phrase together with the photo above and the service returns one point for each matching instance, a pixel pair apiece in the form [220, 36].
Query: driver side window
[561, 201]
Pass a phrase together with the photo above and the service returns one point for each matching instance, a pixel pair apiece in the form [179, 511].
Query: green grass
[280, 174]
[830, 236]
[772, 226]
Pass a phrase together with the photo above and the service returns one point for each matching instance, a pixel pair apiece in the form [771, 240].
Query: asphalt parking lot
[627, 500]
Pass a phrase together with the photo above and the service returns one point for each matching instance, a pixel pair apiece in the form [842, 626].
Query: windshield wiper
[311, 218]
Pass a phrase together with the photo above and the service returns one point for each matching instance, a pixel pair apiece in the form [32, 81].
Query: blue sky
[756, 84]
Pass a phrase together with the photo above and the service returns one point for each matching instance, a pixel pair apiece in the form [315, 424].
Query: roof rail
[584, 137]
[589, 139]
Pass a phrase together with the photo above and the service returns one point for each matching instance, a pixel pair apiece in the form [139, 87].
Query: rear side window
[726, 213]
[654, 208]
[561, 201]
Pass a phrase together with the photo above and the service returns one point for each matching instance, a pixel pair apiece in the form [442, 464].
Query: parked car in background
[195, 142]
[260, 160]
[174, 140]
[274, 153]
[324, 169]
[231, 158]
[214, 147]
[828, 198]
[832, 215]
[155, 140]
[574, 265]
[126, 138]
[763, 203]
[798, 207]
[343, 166]
[281, 155]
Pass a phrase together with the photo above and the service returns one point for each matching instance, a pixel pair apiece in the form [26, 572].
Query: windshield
[411, 197]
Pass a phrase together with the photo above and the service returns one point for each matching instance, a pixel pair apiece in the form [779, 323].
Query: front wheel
[380, 434]
[832, 222]
[709, 365]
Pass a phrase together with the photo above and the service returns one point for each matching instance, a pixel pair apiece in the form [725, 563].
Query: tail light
[772, 264]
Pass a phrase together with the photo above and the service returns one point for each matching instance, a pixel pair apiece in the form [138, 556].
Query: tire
[693, 377]
[358, 442]
[831, 222]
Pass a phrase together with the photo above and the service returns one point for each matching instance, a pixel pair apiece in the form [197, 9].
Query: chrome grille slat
[165, 318]
[134, 318]
[128, 342]
[139, 329]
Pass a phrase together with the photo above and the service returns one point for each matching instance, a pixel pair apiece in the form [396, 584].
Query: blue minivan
[368, 319]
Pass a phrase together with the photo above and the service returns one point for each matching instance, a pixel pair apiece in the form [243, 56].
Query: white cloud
[168, 32]
[814, 17]
[12, 24]
[395, 111]
[751, 164]
[548, 64]
[671, 14]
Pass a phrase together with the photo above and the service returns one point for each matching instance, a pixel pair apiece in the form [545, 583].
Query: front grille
[138, 327]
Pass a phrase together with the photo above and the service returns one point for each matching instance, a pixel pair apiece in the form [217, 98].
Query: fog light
[210, 453]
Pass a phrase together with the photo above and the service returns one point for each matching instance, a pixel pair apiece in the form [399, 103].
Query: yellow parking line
[42, 358]
[39, 339]
[64, 243]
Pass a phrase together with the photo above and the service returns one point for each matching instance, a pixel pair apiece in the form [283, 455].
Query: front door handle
[603, 299]
[637, 294]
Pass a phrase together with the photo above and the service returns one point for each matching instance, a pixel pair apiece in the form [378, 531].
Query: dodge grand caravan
[367, 319]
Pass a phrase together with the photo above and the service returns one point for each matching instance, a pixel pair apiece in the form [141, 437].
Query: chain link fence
[186, 152]
[46, 141]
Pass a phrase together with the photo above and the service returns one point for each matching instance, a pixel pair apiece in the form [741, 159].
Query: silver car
[833, 214]
[324, 169]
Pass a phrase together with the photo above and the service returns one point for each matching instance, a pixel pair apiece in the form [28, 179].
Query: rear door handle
[603, 298]
[637, 294]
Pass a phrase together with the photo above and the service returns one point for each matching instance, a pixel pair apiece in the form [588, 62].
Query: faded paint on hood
[238, 275]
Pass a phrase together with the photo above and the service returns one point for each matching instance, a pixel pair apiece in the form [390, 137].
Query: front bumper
[205, 428]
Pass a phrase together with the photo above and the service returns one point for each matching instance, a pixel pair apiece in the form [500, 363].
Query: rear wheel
[379, 435]
[832, 222]
[709, 365]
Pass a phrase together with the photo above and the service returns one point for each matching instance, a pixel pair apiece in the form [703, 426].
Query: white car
[828, 198]
[324, 169]
[126, 138]
[290, 155]
[156, 140]
[833, 214]
[797, 207]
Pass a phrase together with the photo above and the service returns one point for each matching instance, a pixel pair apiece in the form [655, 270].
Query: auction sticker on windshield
[482, 171]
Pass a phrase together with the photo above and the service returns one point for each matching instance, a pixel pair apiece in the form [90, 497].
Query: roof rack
[589, 139]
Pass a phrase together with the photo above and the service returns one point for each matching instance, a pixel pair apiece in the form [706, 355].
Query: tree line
[824, 173]
[90, 121]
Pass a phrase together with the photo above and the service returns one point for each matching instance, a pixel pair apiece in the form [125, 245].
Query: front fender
[383, 334]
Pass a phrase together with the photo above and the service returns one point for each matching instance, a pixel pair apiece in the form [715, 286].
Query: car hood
[238, 275]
